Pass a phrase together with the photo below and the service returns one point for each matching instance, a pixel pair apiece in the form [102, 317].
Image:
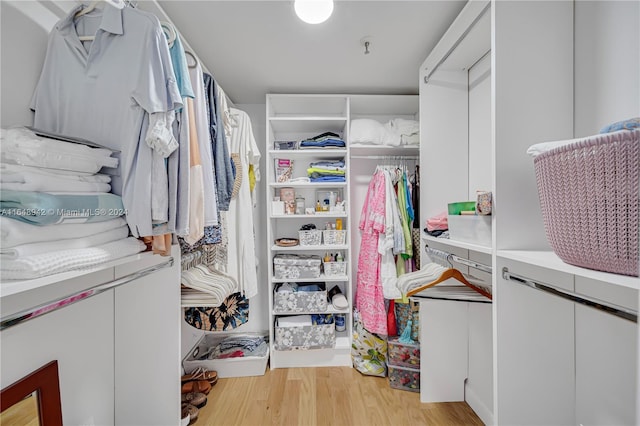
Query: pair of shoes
[189, 414]
[201, 373]
[195, 398]
[202, 386]
[337, 299]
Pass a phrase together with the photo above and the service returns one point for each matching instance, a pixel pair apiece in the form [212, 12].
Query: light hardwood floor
[323, 396]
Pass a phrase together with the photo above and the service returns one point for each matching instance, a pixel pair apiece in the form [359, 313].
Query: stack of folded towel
[327, 171]
[395, 132]
[56, 212]
[327, 140]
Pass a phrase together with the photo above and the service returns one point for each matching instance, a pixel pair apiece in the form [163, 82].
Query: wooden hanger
[450, 273]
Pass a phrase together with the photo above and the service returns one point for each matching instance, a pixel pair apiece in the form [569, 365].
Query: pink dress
[369, 295]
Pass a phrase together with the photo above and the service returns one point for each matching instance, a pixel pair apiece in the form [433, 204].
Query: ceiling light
[313, 11]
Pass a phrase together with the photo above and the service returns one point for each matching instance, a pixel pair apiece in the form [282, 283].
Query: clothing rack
[610, 308]
[53, 305]
[452, 257]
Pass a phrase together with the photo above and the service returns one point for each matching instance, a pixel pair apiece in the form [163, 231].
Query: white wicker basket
[335, 269]
[310, 238]
[333, 237]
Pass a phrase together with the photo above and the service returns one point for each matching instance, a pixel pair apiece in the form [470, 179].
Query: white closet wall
[607, 64]
[23, 34]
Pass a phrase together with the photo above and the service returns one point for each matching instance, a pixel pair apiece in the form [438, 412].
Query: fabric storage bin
[295, 266]
[335, 269]
[310, 238]
[470, 229]
[305, 337]
[588, 191]
[300, 301]
[403, 354]
[226, 367]
[334, 237]
[404, 378]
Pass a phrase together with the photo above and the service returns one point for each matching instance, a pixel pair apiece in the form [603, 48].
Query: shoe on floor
[195, 398]
[202, 386]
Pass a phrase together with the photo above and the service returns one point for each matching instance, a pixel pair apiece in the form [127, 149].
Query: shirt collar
[111, 20]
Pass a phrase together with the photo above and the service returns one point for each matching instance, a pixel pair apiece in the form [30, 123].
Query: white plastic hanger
[169, 31]
[119, 4]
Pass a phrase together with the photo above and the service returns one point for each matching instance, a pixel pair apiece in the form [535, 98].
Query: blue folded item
[330, 165]
[42, 208]
[321, 319]
[332, 178]
[322, 144]
[310, 287]
[630, 124]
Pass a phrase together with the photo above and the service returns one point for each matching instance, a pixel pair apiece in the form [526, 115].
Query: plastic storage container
[470, 229]
[404, 378]
[403, 354]
[335, 269]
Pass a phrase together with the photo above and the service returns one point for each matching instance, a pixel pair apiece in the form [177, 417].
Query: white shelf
[550, 260]
[321, 247]
[460, 244]
[308, 216]
[308, 185]
[378, 150]
[330, 310]
[325, 153]
[11, 287]
[322, 278]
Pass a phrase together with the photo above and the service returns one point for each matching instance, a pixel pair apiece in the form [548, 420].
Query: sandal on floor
[195, 398]
[201, 374]
[190, 411]
[202, 386]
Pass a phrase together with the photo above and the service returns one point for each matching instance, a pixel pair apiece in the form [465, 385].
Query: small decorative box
[404, 378]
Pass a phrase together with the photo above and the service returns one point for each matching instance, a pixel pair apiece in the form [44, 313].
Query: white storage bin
[305, 337]
[225, 367]
[333, 237]
[472, 229]
[335, 269]
[310, 238]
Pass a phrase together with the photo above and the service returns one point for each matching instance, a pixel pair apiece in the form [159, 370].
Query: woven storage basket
[589, 198]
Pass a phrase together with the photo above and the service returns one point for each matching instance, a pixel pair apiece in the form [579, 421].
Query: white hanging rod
[610, 308]
[455, 45]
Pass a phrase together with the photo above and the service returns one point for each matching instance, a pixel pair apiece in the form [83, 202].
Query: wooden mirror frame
[46, 382]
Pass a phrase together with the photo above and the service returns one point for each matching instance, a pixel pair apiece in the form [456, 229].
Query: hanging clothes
[241, 244]
[369, 293]
[103, 90]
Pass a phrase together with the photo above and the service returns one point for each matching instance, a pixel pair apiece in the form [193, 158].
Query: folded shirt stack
[325, 140]
[56, 212]
[327, 171]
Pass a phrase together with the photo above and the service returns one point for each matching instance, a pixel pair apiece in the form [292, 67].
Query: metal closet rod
[455, 45]
[51, 306]
[610, 308]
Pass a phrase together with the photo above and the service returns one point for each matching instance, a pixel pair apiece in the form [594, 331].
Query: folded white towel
[294, 321]
[31, 249]
[41, 265]
[14, 233]
[18, 173]
[39, 183]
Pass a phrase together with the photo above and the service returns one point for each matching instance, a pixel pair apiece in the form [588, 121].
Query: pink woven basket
[589, 195]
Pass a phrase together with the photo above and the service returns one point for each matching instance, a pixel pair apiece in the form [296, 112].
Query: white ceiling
[258, 47]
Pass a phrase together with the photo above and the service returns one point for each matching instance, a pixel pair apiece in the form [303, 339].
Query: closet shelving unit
[293, 118]
[579, 363]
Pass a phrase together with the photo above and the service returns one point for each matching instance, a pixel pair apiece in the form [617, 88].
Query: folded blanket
[14, 233]
[41, 265]
[294, 321]
[22, 146]
[50, 184]
[18, 173]
[31, 249]
[40, 208]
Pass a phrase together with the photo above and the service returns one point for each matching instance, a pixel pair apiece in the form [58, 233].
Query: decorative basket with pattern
[589, 196]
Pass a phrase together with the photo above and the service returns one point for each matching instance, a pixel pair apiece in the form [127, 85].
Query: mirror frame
[46, 382]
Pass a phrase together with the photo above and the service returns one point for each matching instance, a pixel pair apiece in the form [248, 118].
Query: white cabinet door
[147, 349]
[80, 337]
[606, 362]
[535, 356]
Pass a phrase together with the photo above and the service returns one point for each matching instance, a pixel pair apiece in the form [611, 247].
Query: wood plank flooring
[323, 396]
